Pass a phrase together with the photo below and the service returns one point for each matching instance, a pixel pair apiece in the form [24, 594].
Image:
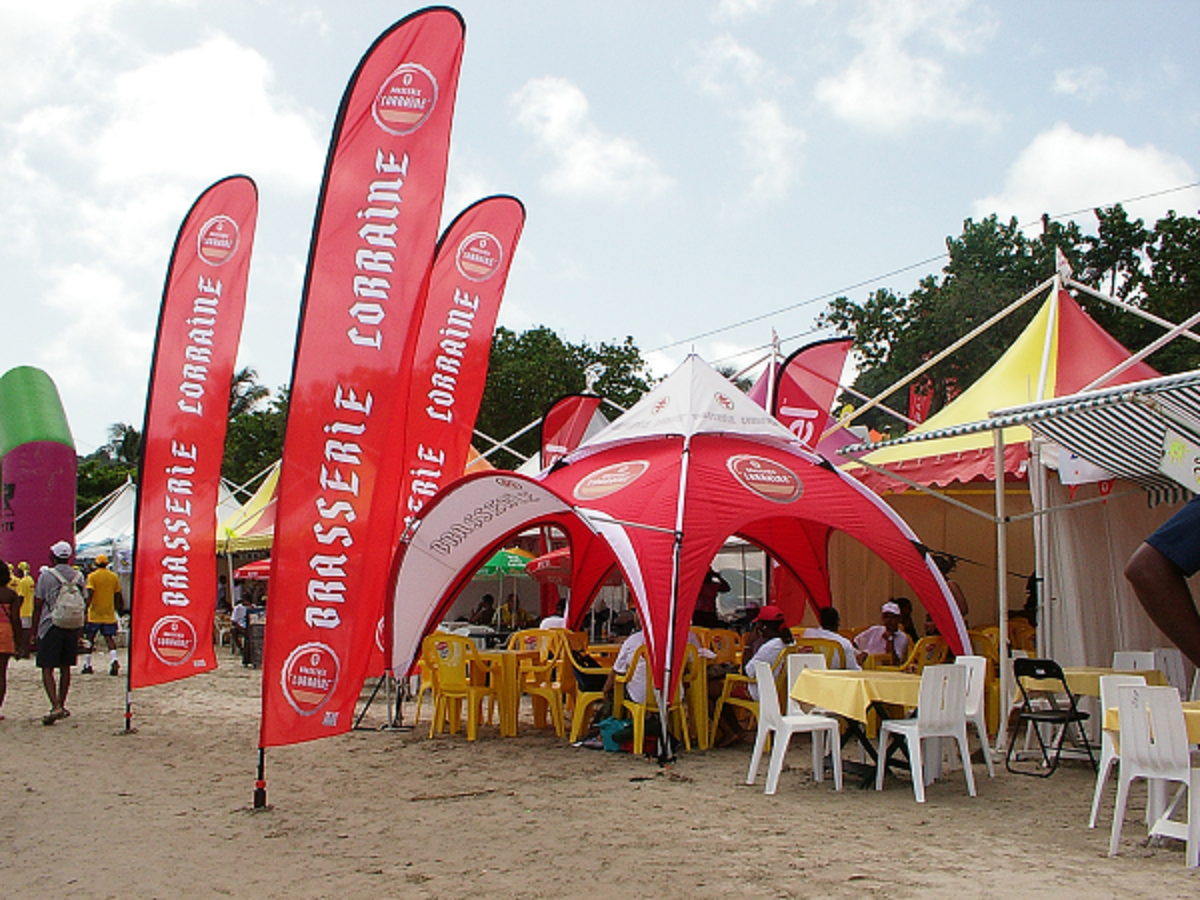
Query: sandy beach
[87, 811]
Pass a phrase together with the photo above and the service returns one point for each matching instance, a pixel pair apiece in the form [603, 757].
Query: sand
[87, 811]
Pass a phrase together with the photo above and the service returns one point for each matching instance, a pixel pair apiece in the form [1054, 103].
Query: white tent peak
[694, 399]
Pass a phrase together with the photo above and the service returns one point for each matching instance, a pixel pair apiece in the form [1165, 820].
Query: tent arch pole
[1001, 581]
[664, 693]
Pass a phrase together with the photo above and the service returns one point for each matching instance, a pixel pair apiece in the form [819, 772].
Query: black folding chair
[1051, 711]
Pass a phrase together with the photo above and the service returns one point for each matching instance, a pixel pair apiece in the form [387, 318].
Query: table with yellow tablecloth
[1084, 681]
[851, 693]
[1191, 716]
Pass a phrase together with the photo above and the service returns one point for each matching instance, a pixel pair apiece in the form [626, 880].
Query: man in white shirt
[830, 621]
[886, 639]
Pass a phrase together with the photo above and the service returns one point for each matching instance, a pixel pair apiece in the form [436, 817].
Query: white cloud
[1062, 171]
[207, 110]
[1086, 82]
[770, 145]
[736, 9]
[587, 162]
[886, 88]
[741, 81]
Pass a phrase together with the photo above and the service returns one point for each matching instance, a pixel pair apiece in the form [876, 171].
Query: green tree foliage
[254, 437]
[529, 371]
[992, 263]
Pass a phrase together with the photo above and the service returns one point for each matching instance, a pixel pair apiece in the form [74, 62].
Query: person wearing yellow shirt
[24, 587]
[103, 594]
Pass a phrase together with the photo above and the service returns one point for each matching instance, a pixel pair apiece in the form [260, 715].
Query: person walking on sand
[103, 595]
[57, 644]
[12, 636]
[25, 589]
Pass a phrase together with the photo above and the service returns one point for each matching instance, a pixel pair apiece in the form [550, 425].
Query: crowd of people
[48, 617]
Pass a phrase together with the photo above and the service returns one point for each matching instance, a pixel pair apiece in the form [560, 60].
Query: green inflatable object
[30, 410]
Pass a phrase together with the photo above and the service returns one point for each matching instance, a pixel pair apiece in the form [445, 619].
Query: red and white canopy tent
[657, 493]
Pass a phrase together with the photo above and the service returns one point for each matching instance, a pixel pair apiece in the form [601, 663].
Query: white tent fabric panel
[1092, 609]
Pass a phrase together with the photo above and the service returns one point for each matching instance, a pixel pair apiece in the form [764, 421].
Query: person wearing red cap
[764, 644]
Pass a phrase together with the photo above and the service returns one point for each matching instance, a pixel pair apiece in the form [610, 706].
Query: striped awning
[1122, 429]
[1119, 429]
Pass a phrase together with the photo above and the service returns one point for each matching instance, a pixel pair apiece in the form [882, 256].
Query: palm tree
[124, 443]
[245, 393]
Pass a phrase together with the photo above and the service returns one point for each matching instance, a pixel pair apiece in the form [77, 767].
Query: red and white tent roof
[657, 493]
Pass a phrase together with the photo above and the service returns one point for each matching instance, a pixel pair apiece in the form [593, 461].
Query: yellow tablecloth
[1191, 715]
[1084, 681]
[851, 694]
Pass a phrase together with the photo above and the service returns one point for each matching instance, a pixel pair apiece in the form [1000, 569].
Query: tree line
[991, 263]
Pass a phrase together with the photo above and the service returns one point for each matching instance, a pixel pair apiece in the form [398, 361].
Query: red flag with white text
[808, 383]
[174, 579]
[339, 483]
[450, 362]
[449, 369]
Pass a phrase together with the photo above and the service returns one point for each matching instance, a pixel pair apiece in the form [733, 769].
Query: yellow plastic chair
[728, 698]
[725, 643]
[459, 676]
[695, 684]
[582, 701]
[540, 678]
[676, 713]
[424, 686]
[928, 651]
[831, 650]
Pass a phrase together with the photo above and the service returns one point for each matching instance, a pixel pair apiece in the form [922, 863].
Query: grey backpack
[69, 605]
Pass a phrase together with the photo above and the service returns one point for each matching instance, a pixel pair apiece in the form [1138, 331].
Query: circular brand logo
[479, 256]
[610, 479]
[379, 635]
[173, 640]
[723, 401]
[309, 677]
[509, 483]
[405, 100]
[218, 240]
[766, 478]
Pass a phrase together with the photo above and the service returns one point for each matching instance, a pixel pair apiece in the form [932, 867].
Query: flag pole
[260, 783]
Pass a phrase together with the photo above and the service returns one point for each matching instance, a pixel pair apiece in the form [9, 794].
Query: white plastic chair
[1133, 660]
[1154, 746]
[976, 667]
[1169, 661]
[941, 712]
[797, 663]
[781, 727]
[1108, 748]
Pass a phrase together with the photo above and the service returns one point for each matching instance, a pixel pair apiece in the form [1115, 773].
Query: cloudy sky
[695, 173]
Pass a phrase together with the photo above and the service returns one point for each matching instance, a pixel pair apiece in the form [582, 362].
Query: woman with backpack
[58, 609]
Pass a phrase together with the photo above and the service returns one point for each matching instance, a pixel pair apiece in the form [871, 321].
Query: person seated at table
[765, 643]
[885, 639]
[850, 657]
[484, 612]
[559, 619]
[511, 616]
[635, 688]
[946, 564]
[907, 625]
[705, 614]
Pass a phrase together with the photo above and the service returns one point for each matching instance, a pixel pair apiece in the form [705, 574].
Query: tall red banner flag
[183, 436]
[449, 369]
[339, 482]
[450, 362]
